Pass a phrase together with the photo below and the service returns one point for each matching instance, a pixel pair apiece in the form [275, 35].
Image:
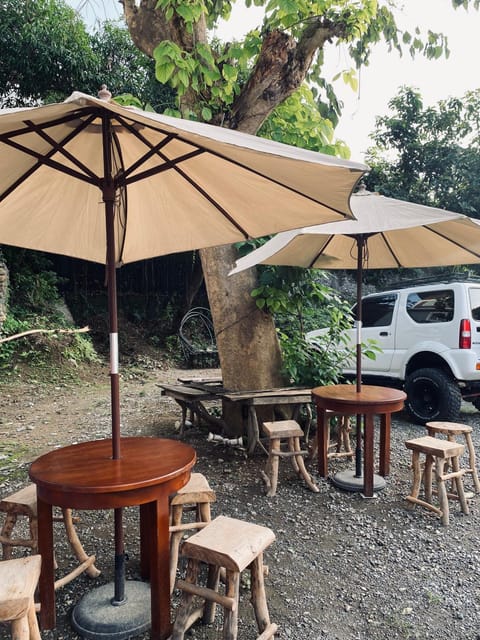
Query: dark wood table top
[87, 469]
[370, 397]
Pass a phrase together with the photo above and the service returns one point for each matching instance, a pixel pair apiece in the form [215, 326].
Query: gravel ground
[341, 568]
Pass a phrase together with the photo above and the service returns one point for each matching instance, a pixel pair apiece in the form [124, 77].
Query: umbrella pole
[358, 448]
[119, 593]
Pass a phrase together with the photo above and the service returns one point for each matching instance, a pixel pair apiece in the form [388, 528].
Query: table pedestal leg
[368, 456]
[385, 429]
[322, 443]
[47, 578]
[159, 550]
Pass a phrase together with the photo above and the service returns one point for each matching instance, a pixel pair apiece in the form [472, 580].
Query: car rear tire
[432, 395]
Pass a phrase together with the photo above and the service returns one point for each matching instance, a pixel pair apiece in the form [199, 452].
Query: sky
[387, 72]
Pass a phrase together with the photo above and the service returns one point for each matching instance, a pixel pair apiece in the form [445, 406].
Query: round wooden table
[84, 476]
[368, 402]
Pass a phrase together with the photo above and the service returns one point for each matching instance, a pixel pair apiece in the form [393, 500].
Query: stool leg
[213, 580]
[175, 539]
[442, 491]
[232, 590]
[76, 545]
[272, 466]
[417, 475]
[182, 620]
[33, 622]
[459, 485]
[294, 445]
[346, 428]
[427, 477]
[259, 599]
[301, 470]
[472, 462]
[20, 630]
[203, 512]
[6, 533]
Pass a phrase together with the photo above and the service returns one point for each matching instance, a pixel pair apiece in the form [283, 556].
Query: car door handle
[384, 333]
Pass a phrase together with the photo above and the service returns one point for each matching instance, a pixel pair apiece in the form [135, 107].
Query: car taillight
[465, 340]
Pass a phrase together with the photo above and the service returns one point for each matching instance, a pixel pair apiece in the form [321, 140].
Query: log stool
[452, 430]
[290, 431]
[18, 581]
[439, 452]
[232, 545]
[195, 496]
[340, 446]
[24, 503]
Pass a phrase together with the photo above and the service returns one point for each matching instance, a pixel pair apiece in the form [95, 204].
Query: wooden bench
[190, 400]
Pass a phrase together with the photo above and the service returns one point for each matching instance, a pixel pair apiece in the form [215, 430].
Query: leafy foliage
[429, 155]
[300, 302]
[46, 53]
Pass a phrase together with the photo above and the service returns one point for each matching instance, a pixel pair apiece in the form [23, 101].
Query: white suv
[429, 336]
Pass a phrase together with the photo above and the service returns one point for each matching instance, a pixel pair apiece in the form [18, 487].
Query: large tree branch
[148, 27]
[279, 71]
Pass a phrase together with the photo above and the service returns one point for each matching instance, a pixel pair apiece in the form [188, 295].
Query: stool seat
[24, 503]
[18, 581]
[196, 496]
[228, 542]
[290, 431]
[439, 452]
[453, 430]
[230, 545]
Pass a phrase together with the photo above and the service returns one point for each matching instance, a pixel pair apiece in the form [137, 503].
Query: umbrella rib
[172, 164]
[457, 244]
[390, 249]
[319, 253]
[186, 140]
[45, 159]
[59, 147]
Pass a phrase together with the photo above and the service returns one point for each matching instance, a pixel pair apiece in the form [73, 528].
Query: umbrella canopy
[183, 185]
[386, 233]
[90, 179]
[394, 234]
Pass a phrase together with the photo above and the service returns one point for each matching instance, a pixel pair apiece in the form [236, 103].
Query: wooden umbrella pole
[358, 449]
[109, 199]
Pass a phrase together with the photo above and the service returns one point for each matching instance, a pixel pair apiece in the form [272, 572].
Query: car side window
[377, 311]
[428, 307]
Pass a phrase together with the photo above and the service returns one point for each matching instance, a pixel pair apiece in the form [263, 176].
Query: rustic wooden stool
[195, 496]
[452, 430]
[441, 452]
[24, 503]
[18, 581]
[290, 431]
[340, 446]
[231, 545]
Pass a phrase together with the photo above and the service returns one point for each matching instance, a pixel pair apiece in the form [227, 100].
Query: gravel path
[342, 567]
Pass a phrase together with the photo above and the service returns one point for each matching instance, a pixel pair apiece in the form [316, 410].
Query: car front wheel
[432, 395]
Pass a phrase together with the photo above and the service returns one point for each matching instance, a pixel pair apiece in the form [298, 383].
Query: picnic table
[192, 393]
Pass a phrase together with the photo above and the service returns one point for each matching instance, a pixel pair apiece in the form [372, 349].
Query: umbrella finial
[104, 93]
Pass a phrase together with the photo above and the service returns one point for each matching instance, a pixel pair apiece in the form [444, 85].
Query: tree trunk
[247, 341]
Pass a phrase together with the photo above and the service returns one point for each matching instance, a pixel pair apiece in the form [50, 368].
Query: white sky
[436, 79]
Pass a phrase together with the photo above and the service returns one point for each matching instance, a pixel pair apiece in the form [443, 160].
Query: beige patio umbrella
[385, 234]
[90, 179]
